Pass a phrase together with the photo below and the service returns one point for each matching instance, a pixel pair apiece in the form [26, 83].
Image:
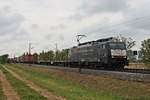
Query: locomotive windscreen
[117, 45]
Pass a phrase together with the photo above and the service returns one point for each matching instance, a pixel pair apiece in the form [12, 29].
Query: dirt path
[43, 92]
[9, 92]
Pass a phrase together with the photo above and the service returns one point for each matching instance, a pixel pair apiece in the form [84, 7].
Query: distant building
[134, 55]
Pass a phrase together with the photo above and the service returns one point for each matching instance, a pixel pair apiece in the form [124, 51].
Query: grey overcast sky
[47, 22]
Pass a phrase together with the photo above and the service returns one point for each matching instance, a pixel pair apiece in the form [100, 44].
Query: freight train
[102, 53]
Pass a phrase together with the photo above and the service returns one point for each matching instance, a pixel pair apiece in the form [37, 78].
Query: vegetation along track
[2, 95]
[42, 91]
[130, 70]
[7, 88]
[126, 74]
[24, 92]
[76, 86]
[62, 87]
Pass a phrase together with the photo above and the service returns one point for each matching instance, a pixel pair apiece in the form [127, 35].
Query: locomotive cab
[118, 54]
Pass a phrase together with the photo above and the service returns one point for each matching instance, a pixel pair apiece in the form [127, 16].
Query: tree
[146, 51]
[4, 58]
[64, 54]
[61, 55]
[50, 55]
[128, 41]
[46, 56]
[57, 55]
[41, 55]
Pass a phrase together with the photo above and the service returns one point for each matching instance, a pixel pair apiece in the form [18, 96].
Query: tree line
[59, 55]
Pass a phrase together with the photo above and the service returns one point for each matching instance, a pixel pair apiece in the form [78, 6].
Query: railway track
[143, 71]
[141, 75]
[128, 70]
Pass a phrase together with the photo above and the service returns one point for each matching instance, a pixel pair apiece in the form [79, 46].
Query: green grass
[64, 88]
[25, 92]
[2, 96]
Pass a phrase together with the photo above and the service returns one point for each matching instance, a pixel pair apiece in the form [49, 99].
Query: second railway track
[141, 75]
[142, 71]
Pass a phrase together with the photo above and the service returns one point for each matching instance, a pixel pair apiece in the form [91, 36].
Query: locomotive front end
[118, 54]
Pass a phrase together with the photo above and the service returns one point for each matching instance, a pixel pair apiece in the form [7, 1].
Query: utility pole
[14, 56]
[14, 61]
[56, 51]
[30, 48]
[56, 47]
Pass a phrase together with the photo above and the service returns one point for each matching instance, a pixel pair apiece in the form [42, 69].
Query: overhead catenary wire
[121, 27]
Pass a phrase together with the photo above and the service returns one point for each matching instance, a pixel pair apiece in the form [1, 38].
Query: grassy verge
[130, 89]
[25, 92]
[64, 88]
[2, 96]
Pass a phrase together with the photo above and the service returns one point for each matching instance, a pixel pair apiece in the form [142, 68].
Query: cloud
[12, 32]
[99, 6]
[58, 27]
[21, 35]
[10, 23]
[61, 37]
[55, 36]
[138, 16]
[92, 7]
[34, 26]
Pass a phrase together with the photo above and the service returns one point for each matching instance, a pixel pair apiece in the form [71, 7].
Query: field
[34, 83]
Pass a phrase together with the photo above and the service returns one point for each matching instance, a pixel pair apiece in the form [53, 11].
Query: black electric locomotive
[106, 53]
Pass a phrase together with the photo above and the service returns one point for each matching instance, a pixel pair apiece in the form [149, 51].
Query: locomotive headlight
[118, 53]
[124, 53]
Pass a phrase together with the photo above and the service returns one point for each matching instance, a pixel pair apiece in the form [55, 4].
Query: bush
[146, 51]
